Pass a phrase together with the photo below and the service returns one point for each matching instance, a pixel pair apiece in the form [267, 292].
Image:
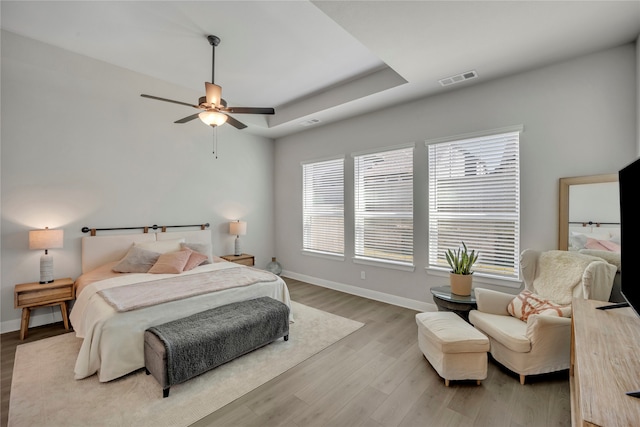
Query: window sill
[480, 278]
[324, 255]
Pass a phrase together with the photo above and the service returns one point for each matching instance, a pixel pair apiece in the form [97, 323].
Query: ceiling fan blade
[169, 100]
[188, 118]
[235, 123]
[248, 110]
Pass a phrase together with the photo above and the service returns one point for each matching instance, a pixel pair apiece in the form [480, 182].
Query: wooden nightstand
[28, 296]
[244, 259]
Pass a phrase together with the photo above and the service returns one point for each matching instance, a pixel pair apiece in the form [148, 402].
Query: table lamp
[46, 239]
[239, 228]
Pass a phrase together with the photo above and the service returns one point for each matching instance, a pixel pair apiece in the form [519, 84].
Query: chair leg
[521, 379]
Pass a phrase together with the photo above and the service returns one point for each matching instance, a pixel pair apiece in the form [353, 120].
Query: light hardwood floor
[376, 376]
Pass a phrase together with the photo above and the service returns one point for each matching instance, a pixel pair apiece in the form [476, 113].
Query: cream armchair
[542, 343]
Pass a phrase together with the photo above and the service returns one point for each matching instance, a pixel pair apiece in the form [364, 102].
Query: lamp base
[237, 250]
[46, 269]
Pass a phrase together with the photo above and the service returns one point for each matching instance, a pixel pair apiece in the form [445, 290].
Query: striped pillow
[527, 303]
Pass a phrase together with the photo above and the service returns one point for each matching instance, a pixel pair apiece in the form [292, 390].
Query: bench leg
[165, 392]
[286, 337]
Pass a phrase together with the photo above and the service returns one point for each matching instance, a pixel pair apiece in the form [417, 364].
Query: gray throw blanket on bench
[200, 342]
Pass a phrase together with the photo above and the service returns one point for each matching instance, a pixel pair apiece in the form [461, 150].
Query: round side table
[459, 304]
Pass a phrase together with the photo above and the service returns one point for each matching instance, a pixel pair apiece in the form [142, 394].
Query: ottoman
[455, 349]
[179, 350]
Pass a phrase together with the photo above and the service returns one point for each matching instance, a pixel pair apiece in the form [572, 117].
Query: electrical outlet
[363, 275]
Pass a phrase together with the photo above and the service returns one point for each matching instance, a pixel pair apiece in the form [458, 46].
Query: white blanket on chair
[559, 272]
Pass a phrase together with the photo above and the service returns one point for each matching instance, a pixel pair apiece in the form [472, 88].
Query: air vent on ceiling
[458, 78]
[309, 122]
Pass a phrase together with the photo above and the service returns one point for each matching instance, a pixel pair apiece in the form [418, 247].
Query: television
[629, 183]
[628, 180]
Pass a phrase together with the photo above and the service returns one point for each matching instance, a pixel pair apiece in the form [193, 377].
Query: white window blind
[323, 207]
[474, 196]
[384, 206]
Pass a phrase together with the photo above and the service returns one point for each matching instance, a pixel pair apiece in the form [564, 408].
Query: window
[474, 196]
[323, 207]
[384, 206]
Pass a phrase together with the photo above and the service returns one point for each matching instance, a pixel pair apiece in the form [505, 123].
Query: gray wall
[579, 118]
[80, 147]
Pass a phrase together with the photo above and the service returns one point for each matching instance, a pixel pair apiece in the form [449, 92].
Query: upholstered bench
[177, 351]
[455, 349]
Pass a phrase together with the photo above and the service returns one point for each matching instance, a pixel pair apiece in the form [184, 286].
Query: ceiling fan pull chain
[215, 141]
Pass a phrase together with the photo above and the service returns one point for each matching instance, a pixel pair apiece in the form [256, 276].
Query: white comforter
[113, 343]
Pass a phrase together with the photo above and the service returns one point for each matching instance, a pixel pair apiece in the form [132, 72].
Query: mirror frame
[563, 216]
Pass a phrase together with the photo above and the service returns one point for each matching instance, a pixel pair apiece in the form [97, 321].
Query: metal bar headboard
[597, 224]
[145, 228]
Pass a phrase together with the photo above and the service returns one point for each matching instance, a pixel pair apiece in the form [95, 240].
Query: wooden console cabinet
[605, 364]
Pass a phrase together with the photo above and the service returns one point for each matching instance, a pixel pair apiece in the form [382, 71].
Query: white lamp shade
[239, 228]
[46, 239]
[214, 94]
[212, 118]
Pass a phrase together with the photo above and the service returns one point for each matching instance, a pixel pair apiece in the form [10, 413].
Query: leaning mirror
[589, 215]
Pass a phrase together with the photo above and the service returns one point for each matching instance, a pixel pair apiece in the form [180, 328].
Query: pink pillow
[194, 260]
[601, 245]
[170, 263]
[527, 303]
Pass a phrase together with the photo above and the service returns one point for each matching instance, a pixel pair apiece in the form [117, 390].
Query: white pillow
[162, 246]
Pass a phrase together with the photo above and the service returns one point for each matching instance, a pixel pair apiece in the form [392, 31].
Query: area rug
[44, 392]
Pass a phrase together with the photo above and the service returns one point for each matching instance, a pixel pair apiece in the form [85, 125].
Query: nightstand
[28, 296]
[244, 259]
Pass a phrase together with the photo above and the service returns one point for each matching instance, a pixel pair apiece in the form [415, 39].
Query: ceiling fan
[214, 108]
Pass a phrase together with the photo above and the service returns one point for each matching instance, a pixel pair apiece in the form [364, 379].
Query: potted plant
[461, 262]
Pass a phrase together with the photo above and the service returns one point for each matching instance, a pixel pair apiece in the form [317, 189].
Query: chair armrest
[597, 280]
[493, 302]
[548, 331]
[528, 266]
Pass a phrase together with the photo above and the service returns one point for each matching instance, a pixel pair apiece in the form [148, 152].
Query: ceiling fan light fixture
[214, 94]
[212, 118]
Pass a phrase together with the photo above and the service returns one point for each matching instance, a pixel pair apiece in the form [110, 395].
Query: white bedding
[113, 343]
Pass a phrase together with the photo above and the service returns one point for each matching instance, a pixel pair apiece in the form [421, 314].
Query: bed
[605, 237]
[112, 310]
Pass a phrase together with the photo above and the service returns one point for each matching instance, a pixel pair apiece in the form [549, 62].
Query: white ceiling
[325, 60]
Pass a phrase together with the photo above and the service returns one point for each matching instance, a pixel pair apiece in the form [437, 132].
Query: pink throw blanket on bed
[139, 295]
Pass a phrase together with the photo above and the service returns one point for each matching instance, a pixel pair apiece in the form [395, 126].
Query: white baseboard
[412, 304]
[37, 319]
